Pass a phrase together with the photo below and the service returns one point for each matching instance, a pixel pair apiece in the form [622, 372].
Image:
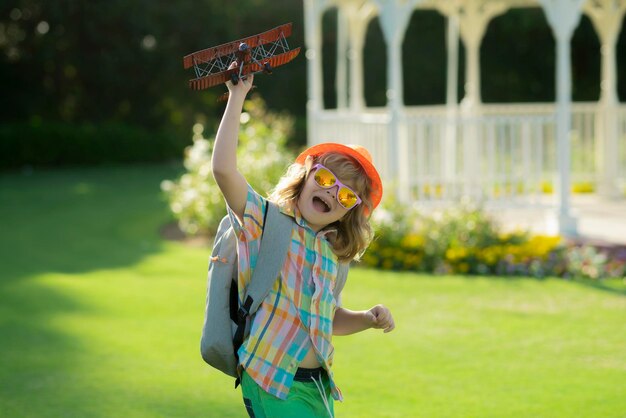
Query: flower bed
[465, 240]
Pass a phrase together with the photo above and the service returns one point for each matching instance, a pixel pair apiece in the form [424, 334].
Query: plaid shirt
[297, 314]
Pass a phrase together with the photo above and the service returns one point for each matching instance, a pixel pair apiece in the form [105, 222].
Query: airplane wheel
[234, 78]
[267, 68]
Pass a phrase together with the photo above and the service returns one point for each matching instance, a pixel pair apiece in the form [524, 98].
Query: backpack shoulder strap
[272, 253]
[340, 281]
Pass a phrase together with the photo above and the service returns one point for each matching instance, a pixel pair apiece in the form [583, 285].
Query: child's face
[319, 206]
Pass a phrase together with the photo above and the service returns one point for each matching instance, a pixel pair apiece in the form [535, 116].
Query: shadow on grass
[38, 384]
[38, 361]
[76, 220]
[50, 367]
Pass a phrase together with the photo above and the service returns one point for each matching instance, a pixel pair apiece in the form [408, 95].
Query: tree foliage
[75, 60]
[115, 61]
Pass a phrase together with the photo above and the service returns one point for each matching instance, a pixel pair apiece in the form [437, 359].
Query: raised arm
[224, 159]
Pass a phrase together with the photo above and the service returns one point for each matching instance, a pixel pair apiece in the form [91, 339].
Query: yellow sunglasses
[327, 179]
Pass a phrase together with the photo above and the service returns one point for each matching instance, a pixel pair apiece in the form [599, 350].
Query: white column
[448, 155]
[606, 16]
[359, 17]
[394, 19]
[472, 37]
[474, 16]
[313, 42]
[341, 76]
[452, 70]
[563, 17]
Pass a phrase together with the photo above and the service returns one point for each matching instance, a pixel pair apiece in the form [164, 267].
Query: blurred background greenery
[86, 82]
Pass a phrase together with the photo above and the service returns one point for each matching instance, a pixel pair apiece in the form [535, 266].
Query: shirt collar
[326, 233]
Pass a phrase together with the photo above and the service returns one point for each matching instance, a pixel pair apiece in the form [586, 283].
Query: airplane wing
[206, 82]
[274, 61]
[210, 54]
[209, 81]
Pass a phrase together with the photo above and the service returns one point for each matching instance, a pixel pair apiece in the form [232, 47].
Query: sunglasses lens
[346, 197]
[324, 178]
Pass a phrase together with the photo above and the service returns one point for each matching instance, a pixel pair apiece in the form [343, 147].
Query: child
[330, 192]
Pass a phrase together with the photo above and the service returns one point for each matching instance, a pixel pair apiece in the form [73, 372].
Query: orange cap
[360, 154]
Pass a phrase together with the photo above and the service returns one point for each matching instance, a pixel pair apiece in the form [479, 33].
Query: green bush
[195, 199]
[54, 144]
[465, 240]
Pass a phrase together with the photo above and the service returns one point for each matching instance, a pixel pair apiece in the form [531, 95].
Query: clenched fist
[380, 317]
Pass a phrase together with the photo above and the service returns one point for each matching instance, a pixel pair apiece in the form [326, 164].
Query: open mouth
[320, 205]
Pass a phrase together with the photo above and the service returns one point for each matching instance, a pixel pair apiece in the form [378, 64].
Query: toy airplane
[254, 54]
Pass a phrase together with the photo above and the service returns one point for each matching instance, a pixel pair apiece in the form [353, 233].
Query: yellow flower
[541, 245]
[489, 255]
[412, 241]
[455, 254]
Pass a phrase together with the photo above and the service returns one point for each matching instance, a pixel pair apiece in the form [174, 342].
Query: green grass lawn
[100, 317]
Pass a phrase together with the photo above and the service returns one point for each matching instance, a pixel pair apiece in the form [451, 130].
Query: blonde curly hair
[354, 232]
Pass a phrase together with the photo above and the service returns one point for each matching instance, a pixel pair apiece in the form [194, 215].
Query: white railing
[583, 133]
[621, 147]
[499, 159]
[506, 154]
[369, 129]
[585, 118]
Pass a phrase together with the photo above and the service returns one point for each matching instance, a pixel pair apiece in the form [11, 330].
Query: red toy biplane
[254, 54]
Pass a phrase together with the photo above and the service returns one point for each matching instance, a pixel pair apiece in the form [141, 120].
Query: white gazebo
[501, 154]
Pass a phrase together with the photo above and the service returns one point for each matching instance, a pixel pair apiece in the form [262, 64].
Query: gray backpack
[226, 323]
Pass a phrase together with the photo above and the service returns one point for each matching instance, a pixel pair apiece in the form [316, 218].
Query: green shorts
[304, 399]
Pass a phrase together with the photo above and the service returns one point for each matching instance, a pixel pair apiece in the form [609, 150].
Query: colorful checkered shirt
[297, 314]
